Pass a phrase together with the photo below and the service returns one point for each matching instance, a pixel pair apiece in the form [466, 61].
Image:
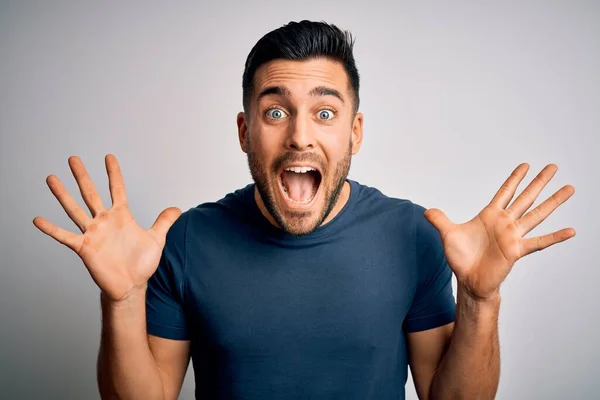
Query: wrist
[132, 297]
[491, 298]
[478, 304]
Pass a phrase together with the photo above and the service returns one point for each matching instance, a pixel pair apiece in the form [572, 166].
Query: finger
[116, 183]
[509, 187]
[63, 236]
[538, 243]
[532, 191]
[73, 210]
[439, 220]
[163, 223]
[534, 217]
[86, 186]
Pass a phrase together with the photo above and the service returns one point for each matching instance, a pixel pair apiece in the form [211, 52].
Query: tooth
[300, 170]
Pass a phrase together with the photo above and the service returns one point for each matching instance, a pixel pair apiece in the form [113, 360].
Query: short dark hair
[302, 40]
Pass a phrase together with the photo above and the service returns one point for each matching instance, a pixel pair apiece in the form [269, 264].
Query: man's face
[300, 134]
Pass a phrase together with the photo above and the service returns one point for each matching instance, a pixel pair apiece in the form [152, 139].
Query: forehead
[301, 76]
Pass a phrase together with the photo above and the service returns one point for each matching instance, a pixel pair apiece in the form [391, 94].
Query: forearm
[471, 366]
[126, 368]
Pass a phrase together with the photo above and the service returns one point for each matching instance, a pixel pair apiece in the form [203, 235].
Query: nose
[301, 135]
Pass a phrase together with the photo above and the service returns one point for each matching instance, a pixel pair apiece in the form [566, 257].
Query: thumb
[164, 221]
[439, 220]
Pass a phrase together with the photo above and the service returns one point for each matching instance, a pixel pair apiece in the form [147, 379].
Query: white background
[455, 95]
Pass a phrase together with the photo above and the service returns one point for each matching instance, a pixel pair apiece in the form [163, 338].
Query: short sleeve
[434, 303]
[165, 316]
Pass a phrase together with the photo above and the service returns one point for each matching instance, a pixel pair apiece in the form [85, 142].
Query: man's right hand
[119, 254]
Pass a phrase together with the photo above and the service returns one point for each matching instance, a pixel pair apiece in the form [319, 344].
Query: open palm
[482, 251]
[119, 254]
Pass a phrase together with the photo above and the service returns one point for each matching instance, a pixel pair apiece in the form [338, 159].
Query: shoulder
[213, 221]
[401, 212]
[233, 204]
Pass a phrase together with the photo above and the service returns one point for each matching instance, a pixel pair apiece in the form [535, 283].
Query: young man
[304, 284]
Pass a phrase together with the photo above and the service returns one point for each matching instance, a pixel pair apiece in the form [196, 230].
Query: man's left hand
[482, 251]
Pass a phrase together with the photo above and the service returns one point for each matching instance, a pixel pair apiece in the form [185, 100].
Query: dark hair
[302, 40]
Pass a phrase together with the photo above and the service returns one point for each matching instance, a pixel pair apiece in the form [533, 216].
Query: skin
[319, 129]
[120, 257]
[481, 252]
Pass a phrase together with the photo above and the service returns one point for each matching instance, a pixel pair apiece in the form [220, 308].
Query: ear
[242, 131]
[357, 132]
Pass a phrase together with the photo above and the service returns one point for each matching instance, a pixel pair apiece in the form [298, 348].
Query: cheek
[269, 139]
[264, 145]
[336, 148]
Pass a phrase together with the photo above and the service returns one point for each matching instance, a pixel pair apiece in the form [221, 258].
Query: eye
[326, 114]
[275, 113]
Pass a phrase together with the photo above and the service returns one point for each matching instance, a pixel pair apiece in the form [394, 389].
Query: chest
[255, 299]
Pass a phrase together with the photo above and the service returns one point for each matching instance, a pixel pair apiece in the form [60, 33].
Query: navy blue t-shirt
[322, 316]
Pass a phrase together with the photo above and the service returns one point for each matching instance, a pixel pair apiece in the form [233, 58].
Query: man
[304, 284]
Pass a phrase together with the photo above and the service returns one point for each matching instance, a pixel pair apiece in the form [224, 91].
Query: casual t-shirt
[271, 315]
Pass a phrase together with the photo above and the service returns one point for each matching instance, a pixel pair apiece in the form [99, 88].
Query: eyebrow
[315, 92]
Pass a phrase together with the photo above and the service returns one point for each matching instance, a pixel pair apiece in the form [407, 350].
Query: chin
[299, 196]
[298, 218]
[299, 223]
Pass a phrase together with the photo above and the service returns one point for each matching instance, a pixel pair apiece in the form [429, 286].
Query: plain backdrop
[454, 95]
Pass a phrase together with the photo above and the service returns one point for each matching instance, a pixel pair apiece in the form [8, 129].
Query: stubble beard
[261, 176]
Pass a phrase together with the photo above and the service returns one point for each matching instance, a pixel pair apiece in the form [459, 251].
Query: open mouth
[300, 184]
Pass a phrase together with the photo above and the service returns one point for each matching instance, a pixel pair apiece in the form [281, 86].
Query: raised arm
[121, 257]
[482, 252]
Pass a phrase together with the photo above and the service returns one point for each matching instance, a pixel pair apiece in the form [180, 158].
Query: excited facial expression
[300, 134]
